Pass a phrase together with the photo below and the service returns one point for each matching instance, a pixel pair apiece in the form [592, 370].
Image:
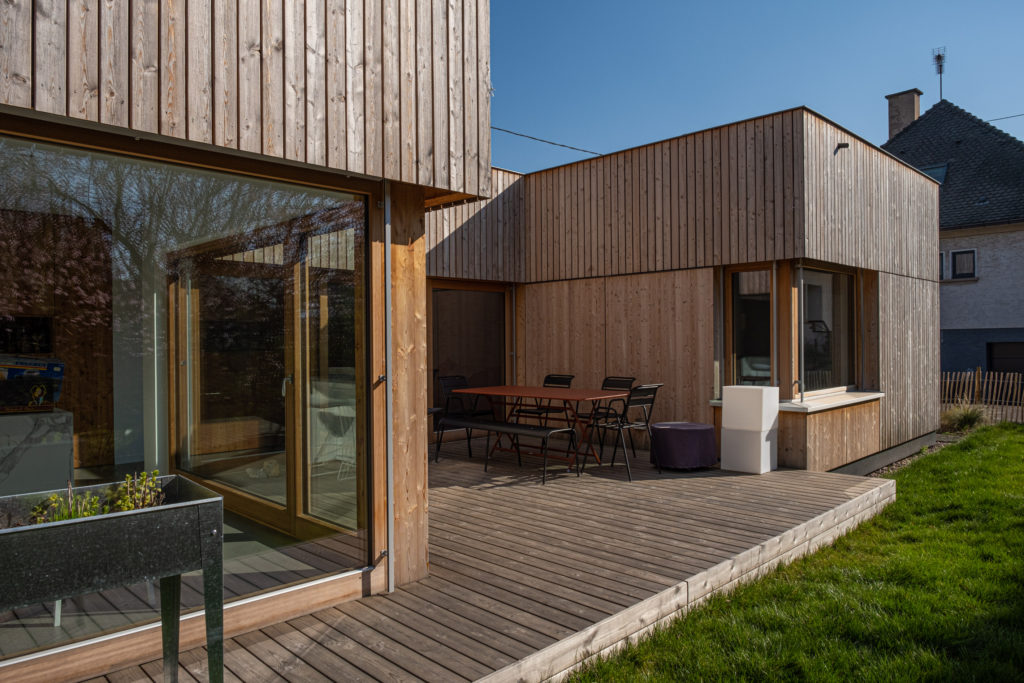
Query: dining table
[570, 399]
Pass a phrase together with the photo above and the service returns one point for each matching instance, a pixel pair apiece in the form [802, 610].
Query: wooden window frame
[729, 372]
[858, 346]
[115, 650]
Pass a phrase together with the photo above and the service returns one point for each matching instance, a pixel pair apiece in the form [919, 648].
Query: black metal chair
[610, 383]
[542, 410]
[608, 418]
[458, 406]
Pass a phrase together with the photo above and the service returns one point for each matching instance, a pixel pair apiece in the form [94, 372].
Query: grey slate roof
[984, 181]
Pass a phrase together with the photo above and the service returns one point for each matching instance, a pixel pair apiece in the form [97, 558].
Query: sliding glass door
[267, 329]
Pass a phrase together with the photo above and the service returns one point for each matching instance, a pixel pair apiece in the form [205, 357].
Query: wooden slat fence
[1002, 393]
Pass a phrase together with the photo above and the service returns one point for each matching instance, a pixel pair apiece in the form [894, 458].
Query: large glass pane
[235, 420]
[168, 314]
[752, 327]
[828, 341]
[336, 466]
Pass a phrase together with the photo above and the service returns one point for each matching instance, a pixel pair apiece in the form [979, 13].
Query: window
[828, 330]
[936, 172]
[188, 320]
[750, 321]
[962, 264]
[942, 265]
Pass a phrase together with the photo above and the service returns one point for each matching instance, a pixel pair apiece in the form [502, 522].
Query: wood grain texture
[409, 339]
[250, 78]
[145, 66]
[908, 332]
[655, 327]
[199, 42]
[396, 90]
[225, 73]
[742, 193]
[50, 82]
[16, 76]
[272, 89]
[864, 208]
[295, 41]
[82, 59]
[523, 587]
[481, 240]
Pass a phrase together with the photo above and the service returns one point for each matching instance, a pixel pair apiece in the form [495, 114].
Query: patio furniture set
[557, 409]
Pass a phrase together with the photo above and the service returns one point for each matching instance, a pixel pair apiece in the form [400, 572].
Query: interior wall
[657, 327]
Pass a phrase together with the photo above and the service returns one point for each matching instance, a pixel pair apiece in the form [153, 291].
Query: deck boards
[525, 579]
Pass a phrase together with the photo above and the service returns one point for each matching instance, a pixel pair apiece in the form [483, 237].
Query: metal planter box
[49, 562]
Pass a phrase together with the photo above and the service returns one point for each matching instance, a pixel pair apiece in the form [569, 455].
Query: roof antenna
[939, 57]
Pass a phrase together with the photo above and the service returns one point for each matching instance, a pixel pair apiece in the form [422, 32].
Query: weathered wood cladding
[865, 208]
[908, 324]
[728, 195]
[397, 89]
[772, 188]
[658, 327]
[480, 240]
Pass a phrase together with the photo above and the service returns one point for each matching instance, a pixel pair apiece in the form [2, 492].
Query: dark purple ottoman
[683, 445]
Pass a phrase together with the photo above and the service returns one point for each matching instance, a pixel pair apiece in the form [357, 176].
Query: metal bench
[512, 430]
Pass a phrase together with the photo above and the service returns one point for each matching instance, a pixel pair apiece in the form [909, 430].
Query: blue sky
[610, 75]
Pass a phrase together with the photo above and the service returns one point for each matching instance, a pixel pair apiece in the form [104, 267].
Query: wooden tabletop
[548, 393]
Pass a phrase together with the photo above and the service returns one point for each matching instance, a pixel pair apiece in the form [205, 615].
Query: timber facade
[250, 232]
[625, 259]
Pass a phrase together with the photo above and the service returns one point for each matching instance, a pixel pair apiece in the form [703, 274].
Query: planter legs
[213, 598]
[170, 607]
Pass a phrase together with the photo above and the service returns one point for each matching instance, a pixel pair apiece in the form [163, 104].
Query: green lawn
[932, 588]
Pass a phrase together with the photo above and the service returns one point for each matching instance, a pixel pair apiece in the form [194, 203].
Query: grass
[930, 589]
[962, 418]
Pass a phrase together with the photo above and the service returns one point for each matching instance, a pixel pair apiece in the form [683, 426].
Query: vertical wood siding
[864, 208]
[396, 89]
[717, 197]
[481, 240]
[657, 327]
[908, 324]
[771, 188]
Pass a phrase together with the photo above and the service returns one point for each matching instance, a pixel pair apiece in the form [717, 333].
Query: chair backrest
[560, 381]
[612, 383]
[453, 404]
[642, 396]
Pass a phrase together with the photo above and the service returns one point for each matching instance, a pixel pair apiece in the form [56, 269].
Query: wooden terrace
[528, 580]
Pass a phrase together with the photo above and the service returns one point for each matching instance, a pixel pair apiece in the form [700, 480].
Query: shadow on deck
[528, 580]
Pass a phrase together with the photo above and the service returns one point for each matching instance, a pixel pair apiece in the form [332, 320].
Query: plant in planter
[151, 527]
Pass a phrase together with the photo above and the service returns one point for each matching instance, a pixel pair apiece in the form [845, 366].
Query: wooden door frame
[262, 510]
[508, 289]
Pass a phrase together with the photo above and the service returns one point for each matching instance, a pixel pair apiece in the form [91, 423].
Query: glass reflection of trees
[85, 238]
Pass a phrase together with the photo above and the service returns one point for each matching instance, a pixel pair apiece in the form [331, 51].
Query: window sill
[820, 403]
[953, 281]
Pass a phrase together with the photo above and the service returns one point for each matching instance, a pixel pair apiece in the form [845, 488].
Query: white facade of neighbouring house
[981, 235]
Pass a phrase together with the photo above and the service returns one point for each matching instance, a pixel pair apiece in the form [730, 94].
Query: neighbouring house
[783, 250]
[250, 231]
[981, 218]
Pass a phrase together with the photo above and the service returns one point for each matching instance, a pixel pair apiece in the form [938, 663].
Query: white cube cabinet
[750, 425]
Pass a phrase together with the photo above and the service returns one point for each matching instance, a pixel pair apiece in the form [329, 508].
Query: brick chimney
[904, 108]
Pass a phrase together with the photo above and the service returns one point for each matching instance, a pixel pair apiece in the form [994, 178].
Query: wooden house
[253, 231]
[682, 261]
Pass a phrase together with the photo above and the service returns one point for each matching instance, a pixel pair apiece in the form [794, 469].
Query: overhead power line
[549, 142]
[1005, 117]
